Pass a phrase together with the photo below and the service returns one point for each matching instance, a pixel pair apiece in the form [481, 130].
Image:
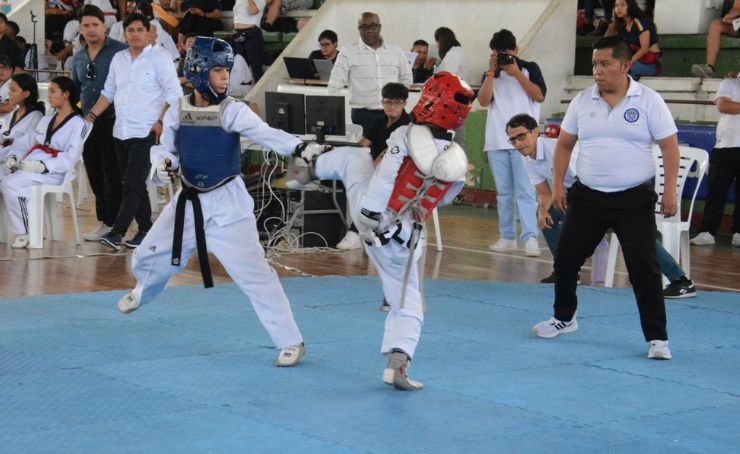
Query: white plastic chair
[42, 209]
[674, 231]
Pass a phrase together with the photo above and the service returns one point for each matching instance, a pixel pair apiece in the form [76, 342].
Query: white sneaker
[532, 247]
[350, 241]
[20, 241]
[736, 239]
[128, 303]
[551, 328]
[396, 373]
[659, 350]
[703, 239]
[503, 245]
[290, 356]
[98, 233]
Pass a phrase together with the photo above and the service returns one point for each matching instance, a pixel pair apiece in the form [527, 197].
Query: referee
[615, 122]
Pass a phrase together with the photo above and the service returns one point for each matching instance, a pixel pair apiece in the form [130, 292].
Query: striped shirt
[366, 70]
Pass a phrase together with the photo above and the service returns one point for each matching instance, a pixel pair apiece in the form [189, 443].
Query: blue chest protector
[208, 154]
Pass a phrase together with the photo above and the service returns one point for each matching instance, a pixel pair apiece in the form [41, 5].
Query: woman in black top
[640, 34]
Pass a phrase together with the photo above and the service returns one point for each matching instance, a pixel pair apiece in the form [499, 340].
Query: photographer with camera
[511, 86]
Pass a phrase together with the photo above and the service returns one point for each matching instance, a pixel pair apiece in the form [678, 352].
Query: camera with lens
[503, 59]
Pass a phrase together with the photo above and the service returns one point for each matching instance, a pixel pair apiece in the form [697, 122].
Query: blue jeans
[641, 69]
[513, 186]
[668, 266]
[553, 233]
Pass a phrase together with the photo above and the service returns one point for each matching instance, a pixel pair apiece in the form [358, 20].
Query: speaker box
[313, 226]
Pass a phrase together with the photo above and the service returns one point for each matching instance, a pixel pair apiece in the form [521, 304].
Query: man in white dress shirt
[366, 67]
[139, 80]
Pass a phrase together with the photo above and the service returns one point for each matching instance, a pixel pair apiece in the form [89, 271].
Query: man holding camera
[511, 86]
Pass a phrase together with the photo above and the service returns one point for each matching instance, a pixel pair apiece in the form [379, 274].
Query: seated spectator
[116, 31]
[451, 53]
[187, 87]
[248, 39]
[717, 28]
[423, 66]
[640, 34]
[538, 157]
[6, 71]
[63, 55]
[13, 29]
[724, 165]
[8, 46]
[394, 115]
[58, 13]
[43, 156]
[23, 95]
[71, 37]
[163, 39]
[40, 62]
[201, 17]
[589, 7]
[277, 8]
[327, 47]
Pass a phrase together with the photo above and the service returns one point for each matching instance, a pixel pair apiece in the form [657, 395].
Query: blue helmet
[205, 54]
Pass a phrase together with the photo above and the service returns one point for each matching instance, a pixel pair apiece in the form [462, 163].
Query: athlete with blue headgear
[201, 140]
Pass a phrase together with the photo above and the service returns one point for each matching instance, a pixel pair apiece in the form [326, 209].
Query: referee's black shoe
[680, 288]
[112, 240]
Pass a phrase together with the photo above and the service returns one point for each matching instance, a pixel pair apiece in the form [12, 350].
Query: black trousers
[250, 44]
[133, 160]
[631, 215]
[101, 164]
[724, 168]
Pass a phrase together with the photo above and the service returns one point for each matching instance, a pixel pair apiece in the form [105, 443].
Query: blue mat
[192, 372]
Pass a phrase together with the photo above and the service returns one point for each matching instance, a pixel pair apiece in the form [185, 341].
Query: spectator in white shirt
[366, 67]
[138, 81]
[240, 78]
[116, 31]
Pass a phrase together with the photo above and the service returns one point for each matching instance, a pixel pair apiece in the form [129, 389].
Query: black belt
[191, 193]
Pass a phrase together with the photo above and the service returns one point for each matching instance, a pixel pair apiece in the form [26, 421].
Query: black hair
[144, 7]
[56, 46]
[503, 40]
[26, 82]
[4, 60]
[420, 42]
[133, 17]
[22, 41]
[522, 120]
[66, 84]
[91, 10]
[446, 39]
[619, 48]
[395, 90]
[14, 26]
[3, 17]
[633, 11]
[328, 34]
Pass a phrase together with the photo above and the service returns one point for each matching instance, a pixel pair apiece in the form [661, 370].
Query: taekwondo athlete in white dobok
[22, 120]
[421, 168]
[44, 156]
[201, 138]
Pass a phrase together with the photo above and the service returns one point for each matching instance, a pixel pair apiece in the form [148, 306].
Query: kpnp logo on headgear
[631, 115]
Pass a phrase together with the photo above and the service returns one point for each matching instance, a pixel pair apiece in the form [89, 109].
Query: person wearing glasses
[365, 67]
[615, 123]
[510, 86]
[327, 47]
[394, 116]
[142, 83]
[89, 71]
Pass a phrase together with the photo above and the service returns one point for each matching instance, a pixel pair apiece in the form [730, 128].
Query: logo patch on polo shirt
[631, 115]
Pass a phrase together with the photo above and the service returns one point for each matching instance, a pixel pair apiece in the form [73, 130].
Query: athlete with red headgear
[421, 168]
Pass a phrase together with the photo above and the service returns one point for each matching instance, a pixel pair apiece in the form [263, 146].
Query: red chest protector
[425, 175]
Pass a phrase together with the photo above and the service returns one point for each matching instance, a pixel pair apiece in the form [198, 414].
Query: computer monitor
[300, 68]
[325, 115]
[286, 111]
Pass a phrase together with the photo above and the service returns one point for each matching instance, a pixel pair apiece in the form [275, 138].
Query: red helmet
[445, 101]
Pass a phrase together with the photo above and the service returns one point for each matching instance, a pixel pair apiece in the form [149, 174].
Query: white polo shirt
[242, 16]
[540, 167]
[728, 126]
[616, 144]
